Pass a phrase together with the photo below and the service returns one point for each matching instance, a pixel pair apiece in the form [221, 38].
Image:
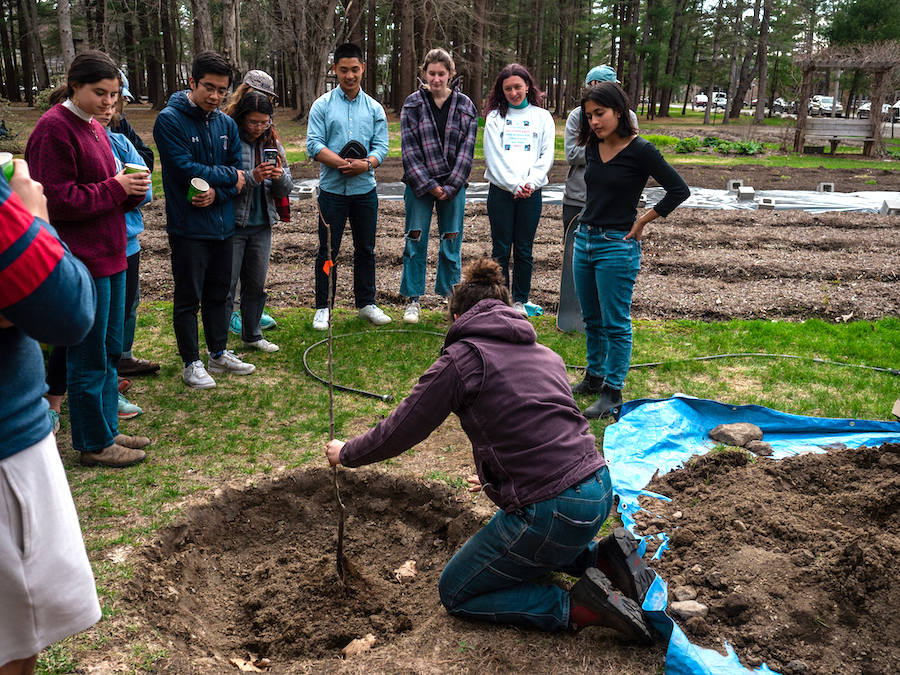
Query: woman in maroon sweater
[70, 154]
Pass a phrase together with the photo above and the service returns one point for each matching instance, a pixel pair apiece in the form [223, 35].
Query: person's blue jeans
[362, 211]
[605, 266]
[490, 577]
[514, 223]
[251, 266]
[92, 379]
[450, 215]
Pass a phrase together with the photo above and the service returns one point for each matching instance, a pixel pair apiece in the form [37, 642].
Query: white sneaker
[196, 377]
[374, 315]
[412, 312]
[320, 320]
[520, 308]
[262, 345]
[229, 363]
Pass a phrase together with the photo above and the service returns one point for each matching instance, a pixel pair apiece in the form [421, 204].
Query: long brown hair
[88, 67]
[256, 101]
[497, 99]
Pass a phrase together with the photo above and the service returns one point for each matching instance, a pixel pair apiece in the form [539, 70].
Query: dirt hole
[255, 569]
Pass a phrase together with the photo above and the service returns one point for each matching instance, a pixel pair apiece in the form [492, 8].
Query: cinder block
[735, 184]
[766, 204]
[890, 207]
[642, 202]
[825, 187]
[746, 194]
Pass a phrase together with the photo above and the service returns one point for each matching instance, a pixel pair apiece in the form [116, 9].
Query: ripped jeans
[415, 254]
[490, 577]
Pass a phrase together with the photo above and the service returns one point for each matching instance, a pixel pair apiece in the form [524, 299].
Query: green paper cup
[136, 168]
[197, 186]
[6, 163]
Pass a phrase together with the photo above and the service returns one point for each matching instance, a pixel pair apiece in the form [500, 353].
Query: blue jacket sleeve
[174, 145]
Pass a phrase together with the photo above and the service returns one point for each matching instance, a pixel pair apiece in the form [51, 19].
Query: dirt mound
[797, 560]
[255, 570]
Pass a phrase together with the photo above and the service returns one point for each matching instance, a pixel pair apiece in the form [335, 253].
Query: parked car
[720, 100]
[895, 112]
[779, 105]
[865, 110]
[700, 100]
[822, 105]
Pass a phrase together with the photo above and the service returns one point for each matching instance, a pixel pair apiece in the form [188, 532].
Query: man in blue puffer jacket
[196, 140]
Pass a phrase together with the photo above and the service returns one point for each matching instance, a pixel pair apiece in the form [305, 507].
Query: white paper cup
[197, 186]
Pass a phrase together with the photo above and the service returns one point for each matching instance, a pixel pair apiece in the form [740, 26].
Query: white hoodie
[518, 148]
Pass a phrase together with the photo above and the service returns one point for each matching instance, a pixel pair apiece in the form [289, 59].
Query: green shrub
[686, 145]
[724, 147]
[710, 142]
[42, 100]
[747, 148]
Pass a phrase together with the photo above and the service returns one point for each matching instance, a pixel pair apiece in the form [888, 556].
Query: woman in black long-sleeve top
[607, 253]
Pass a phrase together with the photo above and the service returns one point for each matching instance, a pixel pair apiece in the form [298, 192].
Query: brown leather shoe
[134, 366]
[135, 442]
[114, 456]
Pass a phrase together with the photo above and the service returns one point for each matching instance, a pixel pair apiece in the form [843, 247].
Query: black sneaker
[594, 591]
[618, 559]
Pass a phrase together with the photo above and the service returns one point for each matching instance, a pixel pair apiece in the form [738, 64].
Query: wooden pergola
[882, 59]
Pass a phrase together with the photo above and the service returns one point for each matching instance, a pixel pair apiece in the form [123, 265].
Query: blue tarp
[655, 435]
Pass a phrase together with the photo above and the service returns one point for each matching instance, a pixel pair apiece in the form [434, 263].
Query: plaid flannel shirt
[427, 163]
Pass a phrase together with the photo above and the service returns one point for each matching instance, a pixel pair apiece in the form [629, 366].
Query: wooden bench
[837, 130]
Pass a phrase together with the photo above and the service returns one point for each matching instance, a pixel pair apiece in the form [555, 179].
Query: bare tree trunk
[169, 53]
[203, 30]
[66, 42]
[7, 39]
[479, 27]
[33, 40]
[763, 61]
[717, 33]
[353, 29]
[672, 59]
[747, 70]
[371, 53]
[407, 51]
[231, 45]
[630, 22]
[541, 9]
[311, 35]
[27, 62]
[732, 65]
[135, 75]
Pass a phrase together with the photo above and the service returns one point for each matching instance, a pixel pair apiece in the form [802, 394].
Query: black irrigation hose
[363, 392]
[892, 371]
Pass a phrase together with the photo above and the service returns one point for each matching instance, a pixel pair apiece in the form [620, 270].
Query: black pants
[201, 269]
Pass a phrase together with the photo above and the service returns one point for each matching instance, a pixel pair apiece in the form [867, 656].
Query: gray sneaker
[262, 345]
[372, 314]
[196, 377]
[411, 315]
[229, 363]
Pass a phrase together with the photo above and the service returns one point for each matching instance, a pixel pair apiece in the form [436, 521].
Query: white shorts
[47, 589]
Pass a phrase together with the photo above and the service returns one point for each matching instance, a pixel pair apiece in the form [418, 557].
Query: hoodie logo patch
[195, 139]
[224, 138]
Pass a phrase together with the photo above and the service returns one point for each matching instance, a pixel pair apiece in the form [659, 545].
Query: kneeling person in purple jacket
[540, 466]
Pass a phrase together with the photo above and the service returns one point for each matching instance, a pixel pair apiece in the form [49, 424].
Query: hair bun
[484, 271]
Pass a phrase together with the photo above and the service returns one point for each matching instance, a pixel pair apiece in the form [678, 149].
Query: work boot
[589, 385]
[114, 456]
[134, 442]
[609, 403]
[593, 602]
[618, 559]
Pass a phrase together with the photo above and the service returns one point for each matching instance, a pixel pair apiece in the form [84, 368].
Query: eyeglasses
[212, 89]
[258, 125]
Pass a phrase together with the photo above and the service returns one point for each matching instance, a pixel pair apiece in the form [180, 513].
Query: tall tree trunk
[749, 66]
[630, 22]
[672, 58]
[170, 54]
[763, 61]
[541, 9]
[29, 10]
[203, 30]
[353, 25]
[134, 62]
[27, 60]
[407, 51]
[148, 20]
[231, 45]
[312, 32]
[479, 35]
[717, 34]
[7, 40]
[371, 50]
[66, 42]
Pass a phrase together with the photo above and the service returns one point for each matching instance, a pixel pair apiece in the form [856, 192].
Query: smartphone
[270, 156]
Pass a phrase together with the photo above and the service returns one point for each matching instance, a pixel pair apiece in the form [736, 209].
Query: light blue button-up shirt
[335, 120]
